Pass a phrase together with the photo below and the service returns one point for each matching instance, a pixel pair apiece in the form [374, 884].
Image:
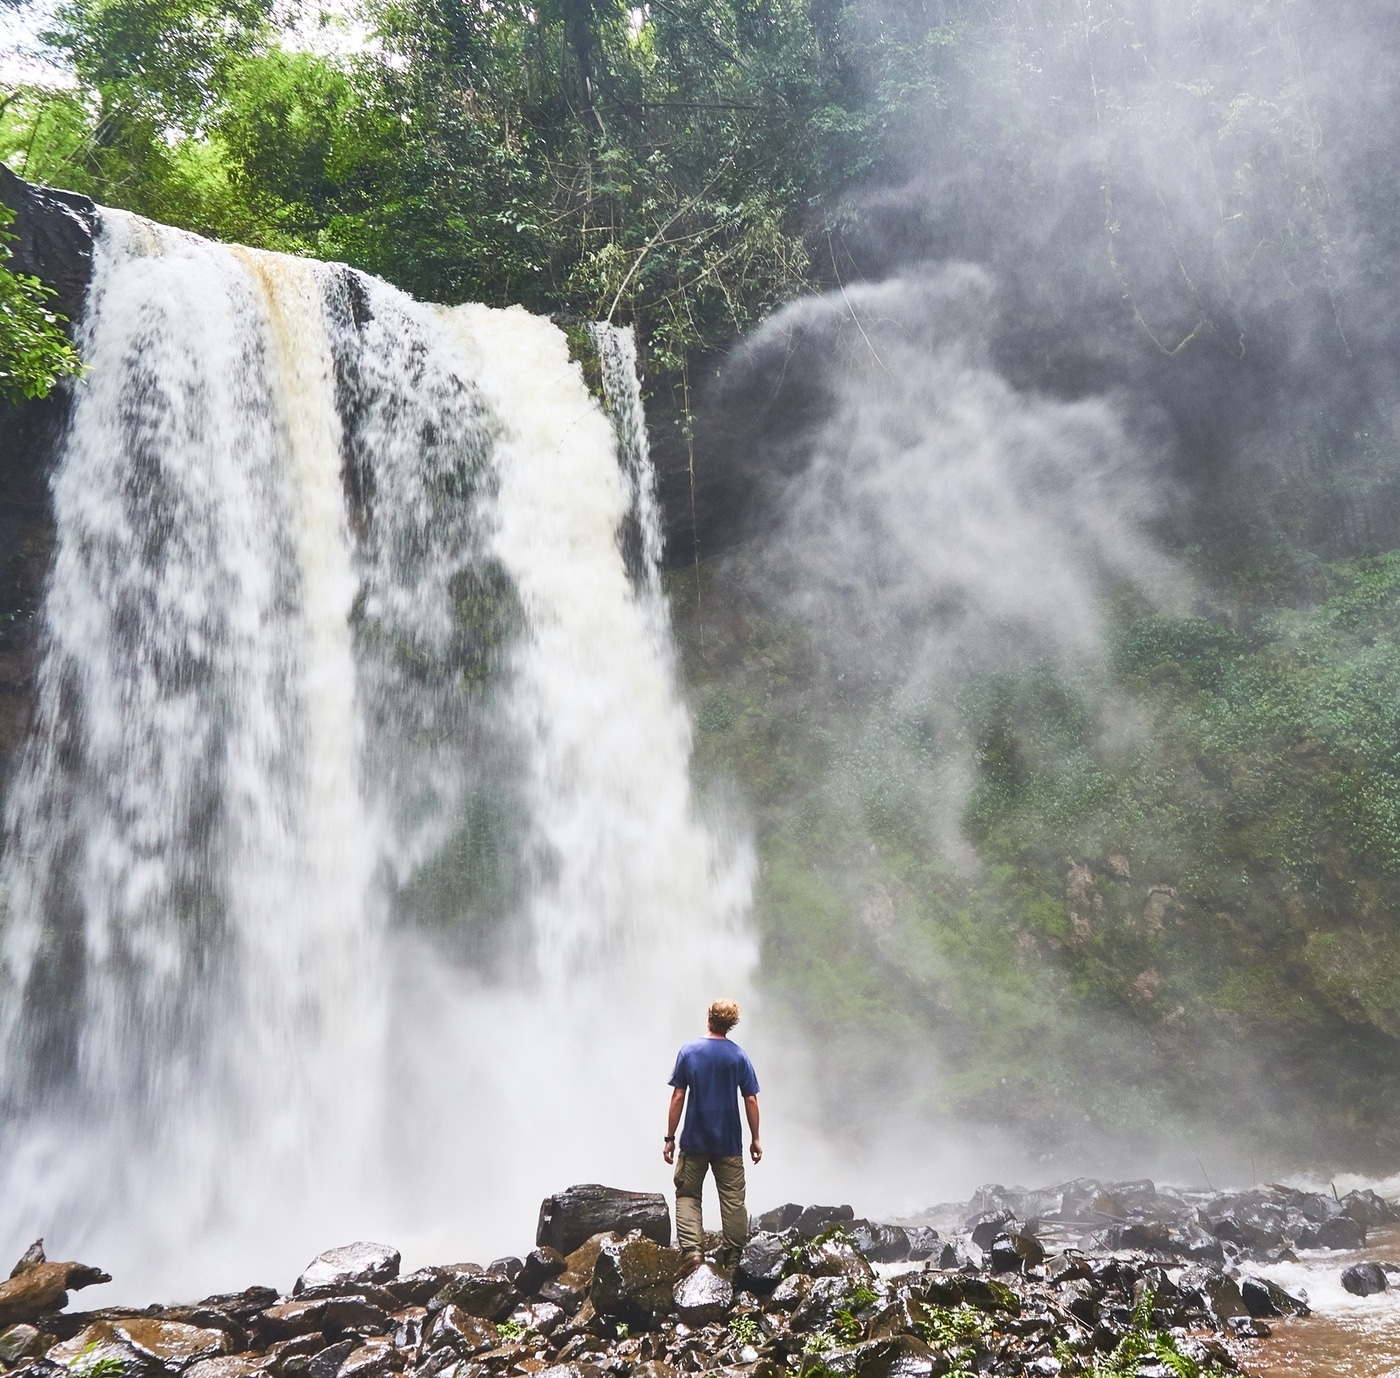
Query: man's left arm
[751, 1111]
[673, 1118]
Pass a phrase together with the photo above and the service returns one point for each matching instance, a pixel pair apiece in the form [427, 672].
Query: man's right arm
[673, 1118]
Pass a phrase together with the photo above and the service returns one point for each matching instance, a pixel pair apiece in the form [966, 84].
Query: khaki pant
[690, 1180]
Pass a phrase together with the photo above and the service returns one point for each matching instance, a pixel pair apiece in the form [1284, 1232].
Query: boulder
[329, 1314]
[824, 1298]
[1368, 1208]
[1217, 1295]
[571, 1370]
[815, 1220]
[373, 1359]
[538, 1266]
[654, 1368]
[1362, 1280]
[791, 1291]
[1340, 1232]
[326, 1362]
[879, 1243]
[96, 1345]
[510, 1266]
[569, 1218]
[1016, 1252]
[764, 1259]
[540, 1316]
[244, 1305]
[489, 1295]
[463, 1332]
[923, 1241]
[899, 1356]
[21, 1342]
[347, 1266]
[985, 1227]
[634, 1278]
[837, 1257]
[703, 1295]
[231, 1366]
[157, 1344]
[54, 238]
[1080, 1297]
[1265, 1298]
[420, 1287]
[777, 1220]
[36, 1286]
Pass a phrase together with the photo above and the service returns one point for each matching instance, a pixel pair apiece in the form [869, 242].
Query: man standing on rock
[716, 1072]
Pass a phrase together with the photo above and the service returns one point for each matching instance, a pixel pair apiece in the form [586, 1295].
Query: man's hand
[668, 1151]
[751, 1111]
[755, 1150]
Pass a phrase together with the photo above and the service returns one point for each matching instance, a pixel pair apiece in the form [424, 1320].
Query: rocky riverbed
[1086, 1277]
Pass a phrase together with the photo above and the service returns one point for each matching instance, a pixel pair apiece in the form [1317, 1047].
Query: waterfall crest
[352, 881]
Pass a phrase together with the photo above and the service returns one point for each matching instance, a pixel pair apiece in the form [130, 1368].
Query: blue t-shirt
[716, 1072]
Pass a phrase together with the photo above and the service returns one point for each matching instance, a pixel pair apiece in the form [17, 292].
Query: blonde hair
[723, 1015]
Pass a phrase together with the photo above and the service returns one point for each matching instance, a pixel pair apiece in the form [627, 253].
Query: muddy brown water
[1346, 1336]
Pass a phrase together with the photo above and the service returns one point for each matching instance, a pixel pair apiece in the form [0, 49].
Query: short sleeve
[681, 1076]
[748, 1078]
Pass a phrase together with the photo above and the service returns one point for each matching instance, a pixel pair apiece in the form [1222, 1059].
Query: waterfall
[352, 883]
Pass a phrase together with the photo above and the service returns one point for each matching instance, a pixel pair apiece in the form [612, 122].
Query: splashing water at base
[353, 883]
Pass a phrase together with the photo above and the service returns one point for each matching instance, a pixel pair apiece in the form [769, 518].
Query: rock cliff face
[53, 241]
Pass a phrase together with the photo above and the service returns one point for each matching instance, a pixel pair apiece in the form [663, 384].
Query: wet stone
[371, 1360]
[1341, 1232]
[490, 1295]
[539, 1266]
[569, 1218]
[763, 1260]
[703, 1295]
[634, 1278]
[348, 1265]
[21, 1342]
[815, 1220]
[1362, 1280]
[230, 1366]
[464, 1332]
[540, 1316]
[791, 1291]
[777, 1220]
[924, 1242]
[879, 1243]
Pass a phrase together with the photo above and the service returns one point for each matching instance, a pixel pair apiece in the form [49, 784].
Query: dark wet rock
[538, 1267]
[654, 1368]
[98, 1346]
[984, 1228]
[54, 238]
[568, 1291]
[764, 1259]
[569, 1218]
[1248, 1327]
[778, 1219]
[703, 1295]
[1080, 1298]
[461, 1331]
[924, 1242]
[231, 1366]
[1066, 1266]
[1016, 1252]
[1265, 1298]
[490, 1295]
[372, 1359]
[158, 1344]
[900, 1356]
[540, 1316]
[879, 1243]
[837, 1257]
[824, 1298]
[1217, 1295]
[1364, 1279]
[21, 1342]
[331, 1315]
[571, 1370]
[1341, 1232]
[347, 1266]
[378, 1296]
[633, 1278]
[420, 1287]
[904, 1313]
[1367, 1208]
[242, 1306]
[509, 1265]
[327, 1361]
[791, 1291]
[815, 1220]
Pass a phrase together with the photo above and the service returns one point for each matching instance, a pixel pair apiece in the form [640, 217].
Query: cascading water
[353, 882]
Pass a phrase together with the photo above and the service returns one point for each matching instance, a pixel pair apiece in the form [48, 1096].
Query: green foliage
[35, 353]
[744, 1330]
[959, 1331]
[1141, 1343]
[516, 1330]
[85, 1366]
